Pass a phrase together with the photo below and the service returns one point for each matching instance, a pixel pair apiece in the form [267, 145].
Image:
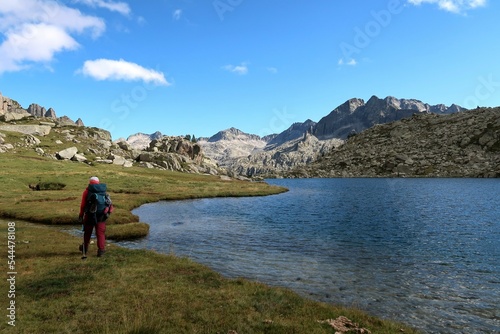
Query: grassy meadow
[133, 291]
[128, 188]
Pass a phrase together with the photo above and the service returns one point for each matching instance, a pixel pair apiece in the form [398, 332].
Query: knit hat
[94, 180]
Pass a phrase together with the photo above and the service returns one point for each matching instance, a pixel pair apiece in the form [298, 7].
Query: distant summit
[232, 134]
[355, 115]
[140, 141]
[231, 143]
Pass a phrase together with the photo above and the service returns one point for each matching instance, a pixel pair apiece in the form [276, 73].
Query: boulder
[118, 160]
[79, 158]
[67, 154]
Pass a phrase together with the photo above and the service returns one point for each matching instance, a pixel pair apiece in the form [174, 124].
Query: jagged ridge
[465, 144]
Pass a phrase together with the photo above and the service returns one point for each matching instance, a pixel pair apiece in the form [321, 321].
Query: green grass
[128, 188]
[138, 291]
[134, 291]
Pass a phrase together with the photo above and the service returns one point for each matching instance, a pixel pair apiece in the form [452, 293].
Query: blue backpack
[99, 205]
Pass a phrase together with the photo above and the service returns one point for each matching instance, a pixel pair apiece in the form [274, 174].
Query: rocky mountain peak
[232, 134]
[140, 141]
[354, 116]
[295, 131]
[351, 105]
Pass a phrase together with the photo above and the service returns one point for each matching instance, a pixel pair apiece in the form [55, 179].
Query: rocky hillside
[465, 144]
[11, 110]
[40, 131]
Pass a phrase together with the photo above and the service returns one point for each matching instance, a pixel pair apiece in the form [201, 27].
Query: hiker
[94, 210]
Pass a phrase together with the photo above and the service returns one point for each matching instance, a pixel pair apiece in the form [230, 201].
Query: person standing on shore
[93, 213]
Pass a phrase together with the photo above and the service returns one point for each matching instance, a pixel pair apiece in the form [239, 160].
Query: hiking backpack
[99, 205]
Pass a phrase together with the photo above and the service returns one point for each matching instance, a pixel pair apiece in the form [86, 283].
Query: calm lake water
[425, 252]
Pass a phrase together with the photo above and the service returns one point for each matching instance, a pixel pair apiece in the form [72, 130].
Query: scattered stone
[344, 325]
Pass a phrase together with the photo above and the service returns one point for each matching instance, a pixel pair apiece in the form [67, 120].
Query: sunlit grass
[128, 187]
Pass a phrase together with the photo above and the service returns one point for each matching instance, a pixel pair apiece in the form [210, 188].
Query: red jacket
[84, 202]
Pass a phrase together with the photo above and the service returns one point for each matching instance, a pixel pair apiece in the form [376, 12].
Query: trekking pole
[84, 251]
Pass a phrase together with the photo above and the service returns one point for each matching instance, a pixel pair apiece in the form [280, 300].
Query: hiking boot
[100, 252]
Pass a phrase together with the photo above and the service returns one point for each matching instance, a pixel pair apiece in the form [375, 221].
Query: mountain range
[251, 155]
[382, 137]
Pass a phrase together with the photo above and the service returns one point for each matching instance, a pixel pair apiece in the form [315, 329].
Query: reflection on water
[422, 251]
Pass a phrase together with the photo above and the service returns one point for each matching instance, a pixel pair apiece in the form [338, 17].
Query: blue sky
[198, 67]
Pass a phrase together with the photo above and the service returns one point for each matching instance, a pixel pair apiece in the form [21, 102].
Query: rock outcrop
[465, 144]
[37, 111]
[177, 154]
[39, 130]
[62, 139]
[11, 110]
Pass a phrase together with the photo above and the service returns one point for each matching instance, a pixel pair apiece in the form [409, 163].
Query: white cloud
[107, 69]
[454, 6]
[350, 62]
[120, 7]
[177, 14]
[238, 69]
[35, 31]
[33, 43]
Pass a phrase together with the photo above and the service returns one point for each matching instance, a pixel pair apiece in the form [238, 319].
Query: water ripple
[422, 251]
